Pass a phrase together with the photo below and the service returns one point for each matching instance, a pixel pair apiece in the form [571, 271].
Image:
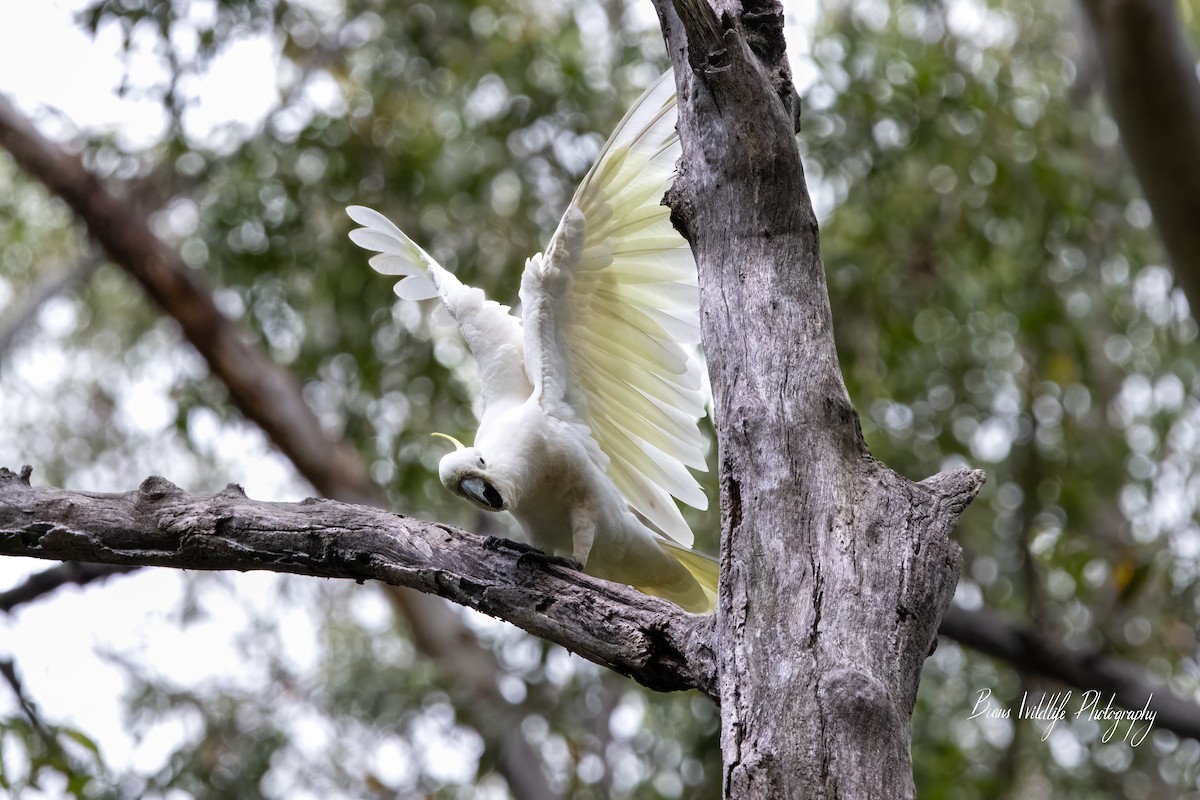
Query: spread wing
[493, 334]
[612, 322]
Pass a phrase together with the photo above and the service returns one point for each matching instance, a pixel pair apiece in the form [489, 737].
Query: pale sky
[47, 62]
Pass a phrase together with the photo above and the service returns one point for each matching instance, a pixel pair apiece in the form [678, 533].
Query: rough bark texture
[652, 641]
[1150, 78]
[835, 571]
[1016, 645]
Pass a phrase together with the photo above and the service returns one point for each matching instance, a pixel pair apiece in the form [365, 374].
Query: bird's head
[465, 472]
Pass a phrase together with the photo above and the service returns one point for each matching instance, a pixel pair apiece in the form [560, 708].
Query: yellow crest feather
[457, 444]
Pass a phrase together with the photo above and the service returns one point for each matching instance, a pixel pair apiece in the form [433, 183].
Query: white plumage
[591, 398]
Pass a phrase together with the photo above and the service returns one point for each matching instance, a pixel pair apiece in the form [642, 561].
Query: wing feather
[493, 334]
[612, 322]
[669, 396]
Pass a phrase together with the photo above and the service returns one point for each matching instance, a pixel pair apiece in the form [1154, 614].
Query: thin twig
[51, 580]
[9, 671]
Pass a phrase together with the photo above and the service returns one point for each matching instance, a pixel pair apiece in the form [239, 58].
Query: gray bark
[1016, 645]
[835, 571]
[650, 640]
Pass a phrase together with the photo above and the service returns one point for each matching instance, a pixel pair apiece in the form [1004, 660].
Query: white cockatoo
[591, 397]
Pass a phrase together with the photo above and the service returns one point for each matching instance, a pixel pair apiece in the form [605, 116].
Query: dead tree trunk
[835, 571]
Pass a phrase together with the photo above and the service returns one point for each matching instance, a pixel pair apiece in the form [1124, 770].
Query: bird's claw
[531, 555]
[498, 542]
[535, 556]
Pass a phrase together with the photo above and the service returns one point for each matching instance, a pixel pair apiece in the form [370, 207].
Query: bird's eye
[482, 463]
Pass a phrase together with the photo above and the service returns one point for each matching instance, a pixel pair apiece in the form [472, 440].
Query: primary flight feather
[591, 398]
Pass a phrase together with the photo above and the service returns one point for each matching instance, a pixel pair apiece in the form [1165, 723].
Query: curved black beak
[483, 493]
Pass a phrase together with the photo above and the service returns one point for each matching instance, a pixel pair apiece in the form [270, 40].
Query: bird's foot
[535, 556]
[499, 542]
[529, 554]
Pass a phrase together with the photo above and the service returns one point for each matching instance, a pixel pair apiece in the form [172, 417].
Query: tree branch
[262, 389]
[8, 671]
[1017, 645]
[53, 579]
[1150, 78]
[16, 321]
[650, 640]
[269, 396]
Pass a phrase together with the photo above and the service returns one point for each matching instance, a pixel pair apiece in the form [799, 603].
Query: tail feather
[703, 567]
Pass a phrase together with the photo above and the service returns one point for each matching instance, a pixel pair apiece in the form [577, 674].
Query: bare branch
[268, 395]
[650, 640]
[263, 390]
[984, 631]
[53, 579]
[1150, 78]
[8, 671]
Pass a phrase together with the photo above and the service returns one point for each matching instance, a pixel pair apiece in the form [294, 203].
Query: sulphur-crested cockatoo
[591, 397]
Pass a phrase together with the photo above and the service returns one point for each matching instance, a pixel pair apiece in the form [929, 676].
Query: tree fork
[835, 571]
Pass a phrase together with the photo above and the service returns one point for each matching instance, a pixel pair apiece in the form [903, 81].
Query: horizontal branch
[271, 397]
[650, 640]
[1019, 646]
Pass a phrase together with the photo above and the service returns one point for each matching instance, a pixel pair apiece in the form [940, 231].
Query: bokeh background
[999, 294]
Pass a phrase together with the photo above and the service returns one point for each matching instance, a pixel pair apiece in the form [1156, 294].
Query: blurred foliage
[999, 297]
[58, 760]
